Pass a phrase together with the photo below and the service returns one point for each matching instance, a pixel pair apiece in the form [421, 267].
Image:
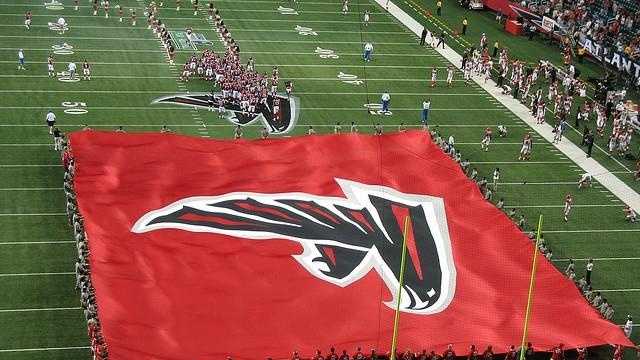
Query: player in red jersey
[582, 353]
[618, 353]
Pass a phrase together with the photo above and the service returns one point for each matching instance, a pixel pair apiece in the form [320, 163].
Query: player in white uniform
[568, 204]
[585, 181]
[62, 25]
[496, 178]
[486, 139]
[50, 69]
[449, 76]
[628, 326]
[630, 214]
[345, 7]
[51, 121]
[434, 77]
[367, 17]
[467, 72]
[525, 151]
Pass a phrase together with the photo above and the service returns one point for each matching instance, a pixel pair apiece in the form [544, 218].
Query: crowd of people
[82, 267]
[613, 23]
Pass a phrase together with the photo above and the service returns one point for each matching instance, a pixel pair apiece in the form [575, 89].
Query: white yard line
[33, 214]
[599, 259]
[173, 91]
[602, 175]
[292, 20]
[38, 274]
[40, 310]
[134, 125]
[619, 290]
[177, 108]
[235, 30]
[520, 162]
[28, 165]
[45, 349]
[37, 242]
[590, 231]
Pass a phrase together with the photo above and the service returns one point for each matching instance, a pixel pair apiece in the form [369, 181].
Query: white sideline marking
[604, 177]
[619, 290]
[40, 309]
[228, 125]
[45, 349]
[562, 206]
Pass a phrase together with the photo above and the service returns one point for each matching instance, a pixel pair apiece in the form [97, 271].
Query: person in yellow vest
[439, 8]
[465, 23]
[496, 47]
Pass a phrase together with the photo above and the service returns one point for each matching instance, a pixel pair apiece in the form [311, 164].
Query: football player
[86, 70]
[630, 214]
[51, 121]
[195, 7]
[486, 139]
[585, 181]
[511, 353]
[496, 177]
[337, 128]
[178, 3]
[527, 144]
[354, 127]
[628, 326]
[366, 17]
[434, 77]
[449, 76]
[345, 7]
[95, 7]
[133, 17]
[568, 204]
[210, 10]
[27, 19]
[50, 69]
[105, 3]
[237, 133]
[120, 13]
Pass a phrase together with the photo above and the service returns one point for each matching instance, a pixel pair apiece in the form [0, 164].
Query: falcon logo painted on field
[276, 123]
[343, 238]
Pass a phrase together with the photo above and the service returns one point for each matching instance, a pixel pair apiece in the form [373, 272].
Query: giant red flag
[206, 248]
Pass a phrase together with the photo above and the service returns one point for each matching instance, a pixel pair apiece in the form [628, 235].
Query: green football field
[40, 317]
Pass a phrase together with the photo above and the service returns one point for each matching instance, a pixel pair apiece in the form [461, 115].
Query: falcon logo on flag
[276, 122]
[343, 238]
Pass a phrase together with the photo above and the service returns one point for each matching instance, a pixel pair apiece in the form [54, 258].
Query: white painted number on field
[53, 5]
[303, 30]
[75, 108]
[54, 26]
[326, 53]
[62, 49]
[287, 11]
[349, 79]
[65, 76]
[376, 109]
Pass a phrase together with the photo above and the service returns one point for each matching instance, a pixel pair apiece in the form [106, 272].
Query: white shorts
[524, 150]
[27, 22]
[86, 71]
[49, 67]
